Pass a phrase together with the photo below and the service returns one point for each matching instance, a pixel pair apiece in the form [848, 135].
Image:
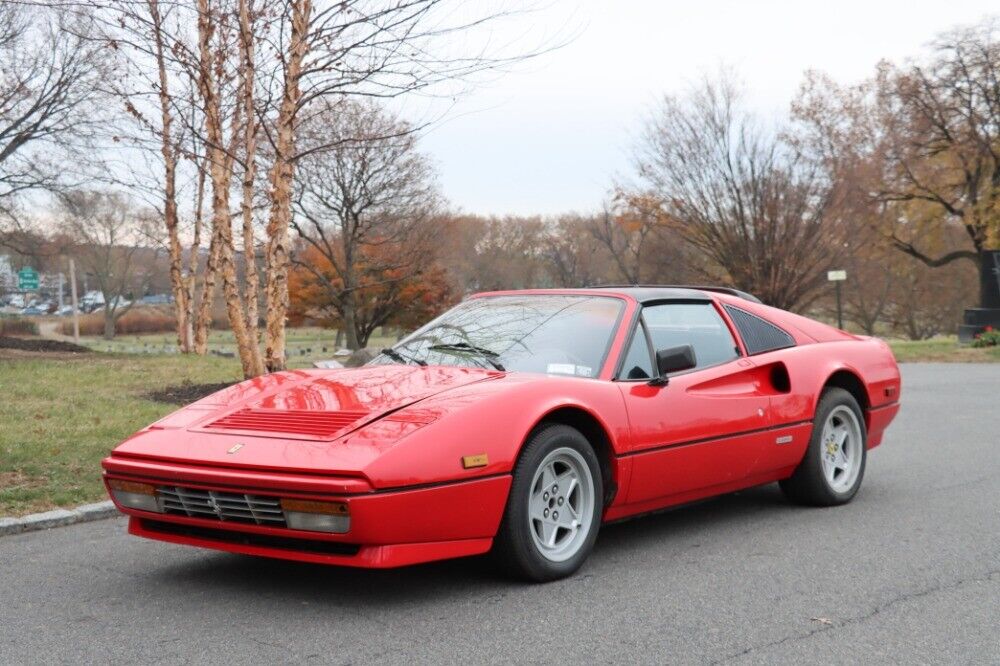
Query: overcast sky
[553, 135]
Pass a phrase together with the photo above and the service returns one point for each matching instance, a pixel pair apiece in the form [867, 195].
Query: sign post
[837, 277]
[76, 307]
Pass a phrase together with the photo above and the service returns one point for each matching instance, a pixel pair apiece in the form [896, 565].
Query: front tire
[834, 464]
[554, 508]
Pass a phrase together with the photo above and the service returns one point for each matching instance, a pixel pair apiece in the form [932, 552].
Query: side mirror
[674, 359]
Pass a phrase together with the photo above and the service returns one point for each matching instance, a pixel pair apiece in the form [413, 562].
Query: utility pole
[76, 308]
[840, 310]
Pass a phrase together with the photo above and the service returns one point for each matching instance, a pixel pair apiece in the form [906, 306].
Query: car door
[701, 432]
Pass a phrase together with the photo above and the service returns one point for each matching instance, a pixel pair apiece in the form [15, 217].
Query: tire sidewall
[516, 524]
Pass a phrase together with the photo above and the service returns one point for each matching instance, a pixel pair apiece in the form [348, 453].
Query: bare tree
[217, 38]
[575, 258]
[359, 48]
[943, 119]
[48, 100]
[746, 200]
[141, 36]
[109, 236]
[364, 206]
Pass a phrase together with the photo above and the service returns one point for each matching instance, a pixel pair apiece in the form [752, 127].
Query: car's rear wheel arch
[850, 382]
[595, 433]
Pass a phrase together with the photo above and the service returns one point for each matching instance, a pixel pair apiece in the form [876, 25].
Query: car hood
[297, 420]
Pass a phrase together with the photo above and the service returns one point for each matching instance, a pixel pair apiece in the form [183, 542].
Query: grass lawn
[60, 416]
[942, 350]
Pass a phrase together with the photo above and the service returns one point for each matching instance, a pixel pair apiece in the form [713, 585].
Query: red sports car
[517, 422]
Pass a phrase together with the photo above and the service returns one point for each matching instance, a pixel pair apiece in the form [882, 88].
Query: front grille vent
[322, 424]
[229, 507]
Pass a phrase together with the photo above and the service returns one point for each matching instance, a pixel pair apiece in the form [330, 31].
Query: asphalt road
[907, 573]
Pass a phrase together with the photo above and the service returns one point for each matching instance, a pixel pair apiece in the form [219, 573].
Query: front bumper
[388, 528]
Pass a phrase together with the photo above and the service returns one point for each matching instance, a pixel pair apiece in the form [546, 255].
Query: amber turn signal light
[316, 516]
[135, 495]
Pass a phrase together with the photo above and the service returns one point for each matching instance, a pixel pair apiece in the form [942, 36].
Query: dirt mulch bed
[41, 345]
[184, 394]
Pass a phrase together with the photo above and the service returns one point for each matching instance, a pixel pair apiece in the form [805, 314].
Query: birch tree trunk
[177, 280]
[204, 318]
[194, 326]
[247, 72]
[281, 178]
[220, 172]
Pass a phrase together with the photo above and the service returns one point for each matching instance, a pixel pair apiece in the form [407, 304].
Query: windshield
[554, 334]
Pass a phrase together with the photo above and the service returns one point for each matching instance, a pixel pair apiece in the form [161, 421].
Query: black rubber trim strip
[884, 406]
[706, 440]
[222, 535]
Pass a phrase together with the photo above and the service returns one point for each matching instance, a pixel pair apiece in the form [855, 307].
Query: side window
[758, 335]
[695, 324]
[638, 363]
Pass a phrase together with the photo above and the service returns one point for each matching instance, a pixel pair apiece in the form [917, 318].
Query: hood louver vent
[322, 425]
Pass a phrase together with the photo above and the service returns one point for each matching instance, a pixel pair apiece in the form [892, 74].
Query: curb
[57, 518]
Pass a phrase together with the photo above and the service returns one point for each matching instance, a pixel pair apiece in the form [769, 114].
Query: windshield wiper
[399, 358]
[488, 354]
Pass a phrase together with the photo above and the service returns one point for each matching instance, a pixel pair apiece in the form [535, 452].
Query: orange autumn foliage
[386, 295]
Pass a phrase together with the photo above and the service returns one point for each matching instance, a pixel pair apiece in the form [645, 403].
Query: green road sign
[27, 279]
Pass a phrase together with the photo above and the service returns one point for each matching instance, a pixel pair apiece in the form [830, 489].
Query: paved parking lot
[907, 573]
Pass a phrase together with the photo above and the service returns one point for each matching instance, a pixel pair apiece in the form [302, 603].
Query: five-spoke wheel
[841, 449]
[561, 506]
[554, 507]
[834, 464]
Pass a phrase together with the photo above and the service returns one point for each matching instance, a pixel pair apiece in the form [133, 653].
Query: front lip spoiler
[230, 536]
[381, 556]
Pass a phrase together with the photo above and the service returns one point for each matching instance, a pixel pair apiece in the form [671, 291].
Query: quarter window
[758, 335]
[638, 363]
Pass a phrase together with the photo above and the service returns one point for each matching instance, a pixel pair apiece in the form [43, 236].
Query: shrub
[156, 319]
[136, 320]
[17, 326]
[990, 337]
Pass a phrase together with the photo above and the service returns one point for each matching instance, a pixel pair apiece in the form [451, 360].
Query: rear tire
[834, 464]
[554, 508]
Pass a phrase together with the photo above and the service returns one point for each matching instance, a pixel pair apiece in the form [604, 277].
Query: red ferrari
[517, 422]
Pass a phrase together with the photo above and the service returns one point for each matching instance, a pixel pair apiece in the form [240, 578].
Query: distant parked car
[91, 301]
[65, 311]
[36, 309]
[157, 299]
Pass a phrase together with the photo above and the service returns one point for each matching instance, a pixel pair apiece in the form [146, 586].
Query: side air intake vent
[322, 425]
[758, 335]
